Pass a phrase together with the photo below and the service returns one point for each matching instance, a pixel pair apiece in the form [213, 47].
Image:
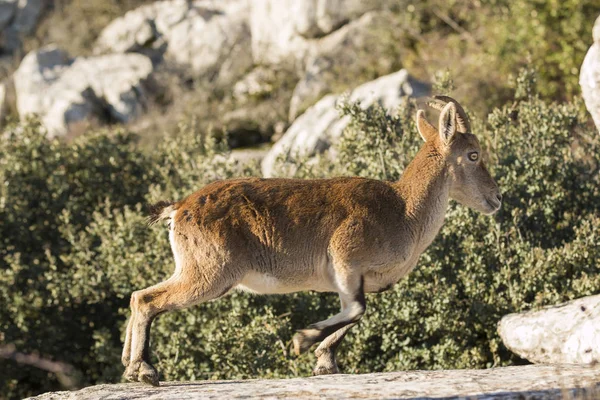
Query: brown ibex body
[344, 235]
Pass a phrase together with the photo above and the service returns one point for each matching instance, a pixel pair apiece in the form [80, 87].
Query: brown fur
[344, 235]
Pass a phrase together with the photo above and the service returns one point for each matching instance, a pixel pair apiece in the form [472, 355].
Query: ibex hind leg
[126, 355]
[178, 292]
[351, 294]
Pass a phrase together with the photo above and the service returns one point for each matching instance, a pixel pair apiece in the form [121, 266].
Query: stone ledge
[522, 382]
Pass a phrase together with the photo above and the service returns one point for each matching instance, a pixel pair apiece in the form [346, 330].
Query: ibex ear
[447, 123]
[426, 130]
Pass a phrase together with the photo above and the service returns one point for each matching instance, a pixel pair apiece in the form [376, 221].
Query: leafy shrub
[63, 279]
[484, 42]
[75, 245]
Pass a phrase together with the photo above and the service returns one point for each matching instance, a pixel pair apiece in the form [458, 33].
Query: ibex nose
[499, 197]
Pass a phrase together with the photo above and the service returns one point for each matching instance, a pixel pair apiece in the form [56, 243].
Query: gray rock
[7, 12]
[321, 125]
[282, 28]
[65, 92]
[36, 74]
[340, 56]
[28, 15]
[589, 78]
[567, 333]
[539, 382]
[274, 36]
[316, 18]
[212, 38]
[18, 18]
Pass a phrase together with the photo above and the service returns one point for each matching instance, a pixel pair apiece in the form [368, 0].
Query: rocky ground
[524, 382]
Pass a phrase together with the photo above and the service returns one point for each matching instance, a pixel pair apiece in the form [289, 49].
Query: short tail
[160, 211]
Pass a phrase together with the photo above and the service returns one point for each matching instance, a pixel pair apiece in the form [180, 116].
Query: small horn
[436, 104]
[461, 116]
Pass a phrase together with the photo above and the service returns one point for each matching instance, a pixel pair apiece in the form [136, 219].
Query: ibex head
[470, 182]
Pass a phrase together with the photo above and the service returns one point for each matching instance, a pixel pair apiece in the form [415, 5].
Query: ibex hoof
[304, 339]
[131, 374]
[148, 374]
[326, 364]
[325, 370]
[141, 372]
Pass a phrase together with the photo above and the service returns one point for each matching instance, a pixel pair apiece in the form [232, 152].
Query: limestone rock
[274, 37]
[212, 38]
[338, 57]
[317, 18]
[321, 125]
[539, 382]
[589, 78]
[65, 92]
[36, 73]
[282, 28]
[567, 333]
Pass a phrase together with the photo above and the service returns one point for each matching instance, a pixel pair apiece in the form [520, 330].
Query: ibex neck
[425, 188]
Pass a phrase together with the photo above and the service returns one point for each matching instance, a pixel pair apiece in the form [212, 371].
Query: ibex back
[344, 235]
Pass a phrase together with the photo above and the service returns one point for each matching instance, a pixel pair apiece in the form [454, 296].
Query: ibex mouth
[493, 205]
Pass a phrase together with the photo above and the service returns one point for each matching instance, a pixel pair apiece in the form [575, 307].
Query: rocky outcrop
[66, 92]
[341, 56]
[212, 38]
[283, 28]
[321, 125]
[589, 77]
[529, 382]
[234, 44]
[567, 333]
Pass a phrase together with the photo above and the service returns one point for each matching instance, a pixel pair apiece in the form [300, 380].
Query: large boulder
[321, 125]
[529, 382]
[283, 28]
[66, 92]
[567, 333]
[589, 77]
[212, 38]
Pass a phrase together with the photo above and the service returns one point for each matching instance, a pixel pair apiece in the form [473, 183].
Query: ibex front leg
[352, 294]
[325, 353]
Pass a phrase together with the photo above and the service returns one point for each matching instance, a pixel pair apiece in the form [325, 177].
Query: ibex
[346, 235]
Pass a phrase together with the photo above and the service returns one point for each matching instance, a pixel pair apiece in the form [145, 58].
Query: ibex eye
[474, 156]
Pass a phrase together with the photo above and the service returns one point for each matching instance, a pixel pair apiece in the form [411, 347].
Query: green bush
[74, 245]
[485, 41]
